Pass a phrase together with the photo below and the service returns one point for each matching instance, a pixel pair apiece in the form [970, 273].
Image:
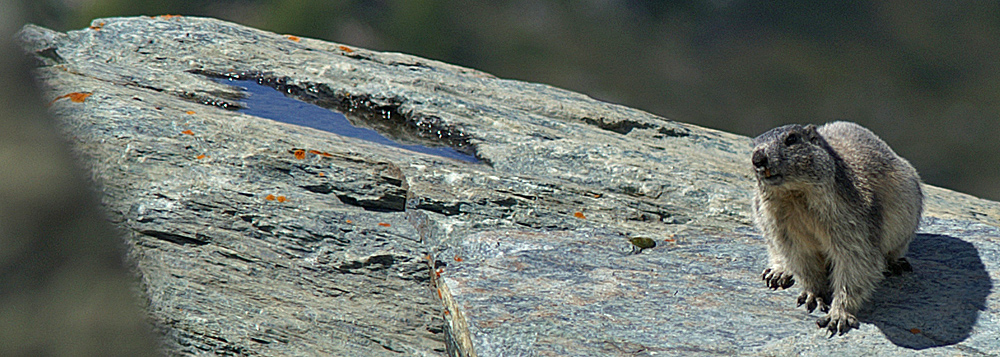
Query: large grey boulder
[254, 237]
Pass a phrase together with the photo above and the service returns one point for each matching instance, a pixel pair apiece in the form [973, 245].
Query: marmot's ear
[811, 134]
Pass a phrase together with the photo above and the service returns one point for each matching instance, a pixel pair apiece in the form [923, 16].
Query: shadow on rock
[939, 302]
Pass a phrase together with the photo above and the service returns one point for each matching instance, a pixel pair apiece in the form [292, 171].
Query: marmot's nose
[759, 159]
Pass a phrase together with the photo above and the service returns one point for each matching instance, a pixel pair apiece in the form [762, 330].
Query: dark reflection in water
[266, 102]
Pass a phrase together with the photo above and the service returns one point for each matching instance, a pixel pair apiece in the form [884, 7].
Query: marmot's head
[790, 155]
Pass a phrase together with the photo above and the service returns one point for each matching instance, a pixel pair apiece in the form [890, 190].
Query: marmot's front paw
[838, 321]
[776, 278]
[812, 301]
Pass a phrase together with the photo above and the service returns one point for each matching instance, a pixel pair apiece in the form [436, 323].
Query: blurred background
[925, 76]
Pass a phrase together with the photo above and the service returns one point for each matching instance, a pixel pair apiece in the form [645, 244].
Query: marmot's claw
[788, 283]
[775, 279]
[812, 301]
[838, 322]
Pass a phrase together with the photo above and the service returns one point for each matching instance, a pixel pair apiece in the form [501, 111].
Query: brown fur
[838, 209]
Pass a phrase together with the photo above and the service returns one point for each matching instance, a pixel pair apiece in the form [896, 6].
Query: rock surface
[254, 237]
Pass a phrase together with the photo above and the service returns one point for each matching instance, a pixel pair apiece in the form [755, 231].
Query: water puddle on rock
[267, 102]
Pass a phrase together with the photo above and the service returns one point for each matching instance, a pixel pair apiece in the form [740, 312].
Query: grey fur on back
[838, 208]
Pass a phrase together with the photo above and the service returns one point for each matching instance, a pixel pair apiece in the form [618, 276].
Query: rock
[257, 237]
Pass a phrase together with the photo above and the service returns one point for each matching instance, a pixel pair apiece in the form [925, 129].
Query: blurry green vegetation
[923, 75]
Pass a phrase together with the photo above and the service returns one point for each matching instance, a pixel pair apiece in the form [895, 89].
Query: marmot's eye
[791, 139]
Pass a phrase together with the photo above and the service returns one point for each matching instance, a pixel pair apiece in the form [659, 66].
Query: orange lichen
[202, 156]
[299, 154]
[293, 38]
[458, 258]
[579, 215]
[321, 174]
[269, 197]
[345, 48]
[188, 132]
[166, 17]
[348, 221]
[78, 97]
[383, 224]
[75, 97]
[669, 240]
[440, 296]
[320, 153]
[189, 112]
[914, 331]
[97, 27]
[281, 198]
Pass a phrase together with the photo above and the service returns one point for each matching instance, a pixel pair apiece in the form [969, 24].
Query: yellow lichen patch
[642, 242]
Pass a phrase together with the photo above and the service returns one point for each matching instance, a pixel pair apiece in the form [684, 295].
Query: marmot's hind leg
[897, 267]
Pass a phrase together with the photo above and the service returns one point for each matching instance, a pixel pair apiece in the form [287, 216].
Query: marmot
[838, 209]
